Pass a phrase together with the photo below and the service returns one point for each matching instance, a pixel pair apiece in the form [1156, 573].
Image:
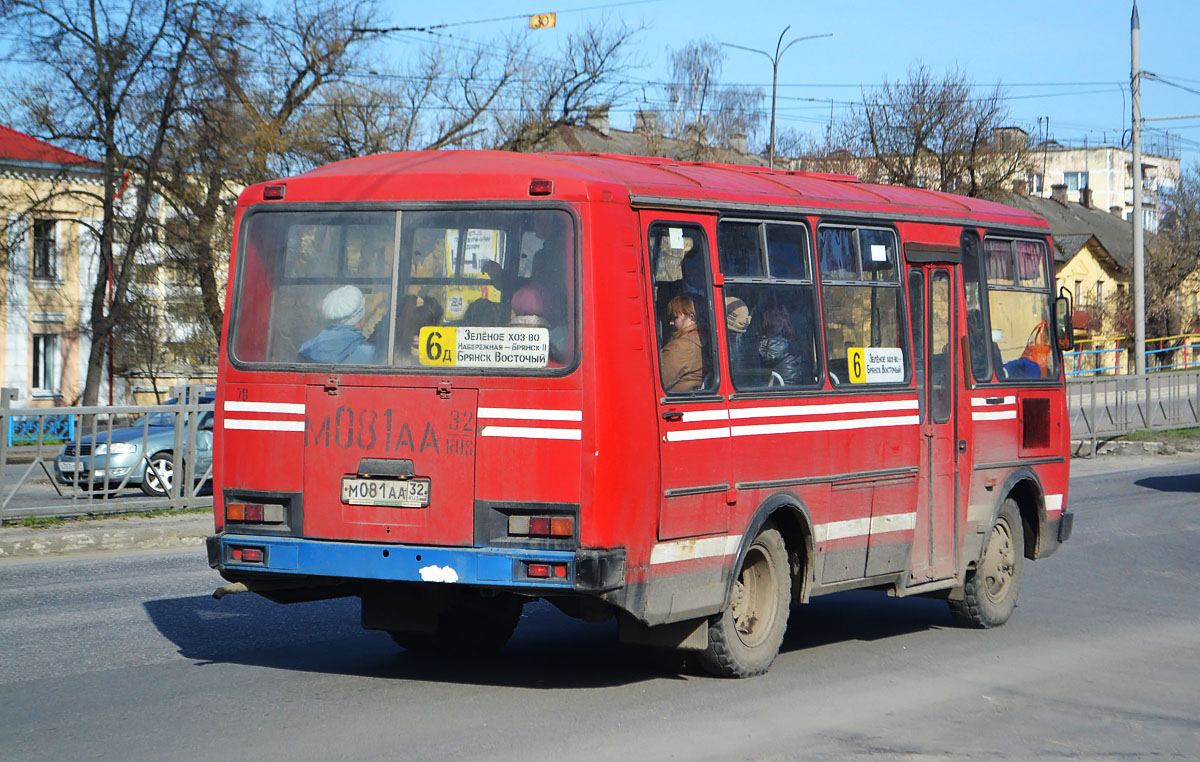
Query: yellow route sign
[543, 20]
[858, 370]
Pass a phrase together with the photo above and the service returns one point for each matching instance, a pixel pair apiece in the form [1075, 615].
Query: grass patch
[40, 522]
[160, 512]
[1165, 435]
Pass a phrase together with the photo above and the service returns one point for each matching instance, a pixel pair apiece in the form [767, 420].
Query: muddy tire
[991, 589]
[473, 626]
[744, 639]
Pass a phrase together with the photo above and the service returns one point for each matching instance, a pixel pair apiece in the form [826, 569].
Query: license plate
[67, 467]
[404, 493]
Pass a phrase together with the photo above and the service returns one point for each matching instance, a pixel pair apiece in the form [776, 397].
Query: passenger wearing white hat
[342, 341]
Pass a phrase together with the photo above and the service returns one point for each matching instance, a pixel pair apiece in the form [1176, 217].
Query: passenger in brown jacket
[681, 358]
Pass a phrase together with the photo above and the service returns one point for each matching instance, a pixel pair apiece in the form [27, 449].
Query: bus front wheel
[991, 588]
[744, 639]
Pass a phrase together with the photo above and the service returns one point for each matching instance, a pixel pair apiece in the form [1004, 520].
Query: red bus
[686, 395]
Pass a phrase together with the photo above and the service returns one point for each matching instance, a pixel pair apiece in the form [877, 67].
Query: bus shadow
[1175, 483]
[549, 649]
[861, 615]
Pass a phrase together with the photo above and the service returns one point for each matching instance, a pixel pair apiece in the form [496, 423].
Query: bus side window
[770, 305]
[862, 305]
[682, 311]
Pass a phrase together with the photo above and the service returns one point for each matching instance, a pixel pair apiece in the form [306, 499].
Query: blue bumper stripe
[408, 563]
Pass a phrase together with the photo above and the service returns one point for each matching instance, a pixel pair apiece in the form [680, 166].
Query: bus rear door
[931, 304]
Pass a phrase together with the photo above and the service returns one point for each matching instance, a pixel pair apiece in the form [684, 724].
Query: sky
[1066, 64]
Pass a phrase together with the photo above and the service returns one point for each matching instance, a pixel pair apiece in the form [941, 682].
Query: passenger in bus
[744, 363]
[484, 312]
[681, 359]
[777, 349]
[416, 313]
[529, 309]
[342, 340]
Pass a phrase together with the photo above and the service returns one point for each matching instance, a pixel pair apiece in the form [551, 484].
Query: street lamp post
[774, 59]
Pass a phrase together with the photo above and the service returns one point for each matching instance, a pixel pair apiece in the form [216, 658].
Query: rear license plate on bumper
[404, 493]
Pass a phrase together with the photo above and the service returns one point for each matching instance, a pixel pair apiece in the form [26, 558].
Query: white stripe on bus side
[1054, 503]
[978, 401]
[251, 425]
[692, 549]
[530, 414]
[841, 407]
[530, 432]
[1001, 415]
[288, 408]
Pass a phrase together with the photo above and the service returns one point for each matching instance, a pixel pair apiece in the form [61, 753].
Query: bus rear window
[482, 290]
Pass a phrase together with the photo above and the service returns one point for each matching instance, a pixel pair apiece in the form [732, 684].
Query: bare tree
[702, 110]
[935, 133]
[110, 84]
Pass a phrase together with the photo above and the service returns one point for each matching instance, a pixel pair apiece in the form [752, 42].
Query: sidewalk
[102, 535]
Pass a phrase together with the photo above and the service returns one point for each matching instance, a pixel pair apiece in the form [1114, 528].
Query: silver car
[138, 455]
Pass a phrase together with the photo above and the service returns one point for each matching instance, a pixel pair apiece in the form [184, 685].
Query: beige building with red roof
[49, 206]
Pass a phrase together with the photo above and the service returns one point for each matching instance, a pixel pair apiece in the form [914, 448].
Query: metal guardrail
[1107, 406]
[23, 492]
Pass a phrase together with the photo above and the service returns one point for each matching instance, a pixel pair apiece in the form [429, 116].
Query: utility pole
[1139, 249]
[774, 59]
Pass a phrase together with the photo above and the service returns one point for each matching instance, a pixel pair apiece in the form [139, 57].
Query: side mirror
[1064, 321]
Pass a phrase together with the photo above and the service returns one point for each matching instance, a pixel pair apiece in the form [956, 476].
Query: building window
[1075, 180]
[1099, 291]
[45, 254]
[1150, 220]
[1036, 183]
[1078, 289]
[45, 364]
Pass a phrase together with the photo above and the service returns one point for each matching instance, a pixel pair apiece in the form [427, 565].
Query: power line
[447, 25]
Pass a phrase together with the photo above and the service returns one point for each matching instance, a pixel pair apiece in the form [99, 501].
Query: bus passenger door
[931, 306]
[693, 420]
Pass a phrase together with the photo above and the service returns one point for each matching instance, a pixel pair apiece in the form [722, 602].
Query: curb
[106, 535]
[1083, 448]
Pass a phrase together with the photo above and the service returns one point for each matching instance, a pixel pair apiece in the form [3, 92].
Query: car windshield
[454, 289]
[167, 418]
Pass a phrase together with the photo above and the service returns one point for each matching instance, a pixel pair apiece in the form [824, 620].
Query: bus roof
[644, 180]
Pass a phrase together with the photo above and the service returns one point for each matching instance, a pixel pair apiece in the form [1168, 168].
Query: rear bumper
[586, 570]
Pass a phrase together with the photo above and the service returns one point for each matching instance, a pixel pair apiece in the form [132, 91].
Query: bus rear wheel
[473, 625]
[991, 588]
[744, 639]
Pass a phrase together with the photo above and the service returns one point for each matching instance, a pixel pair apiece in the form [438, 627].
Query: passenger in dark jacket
[776, 348]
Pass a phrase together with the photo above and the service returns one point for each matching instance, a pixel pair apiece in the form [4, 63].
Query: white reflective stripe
[840, 407]
[705, 415]
[530, 414]
[529, 432]
[692, 549]
[996, 416]
[249, 425]
[1054, 503]
[840, 530]
[688, 435]
[894, 522]
[853, 423]
[290, 408]
[977, 401]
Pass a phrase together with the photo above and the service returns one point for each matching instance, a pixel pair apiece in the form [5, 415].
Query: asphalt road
[128, 657]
